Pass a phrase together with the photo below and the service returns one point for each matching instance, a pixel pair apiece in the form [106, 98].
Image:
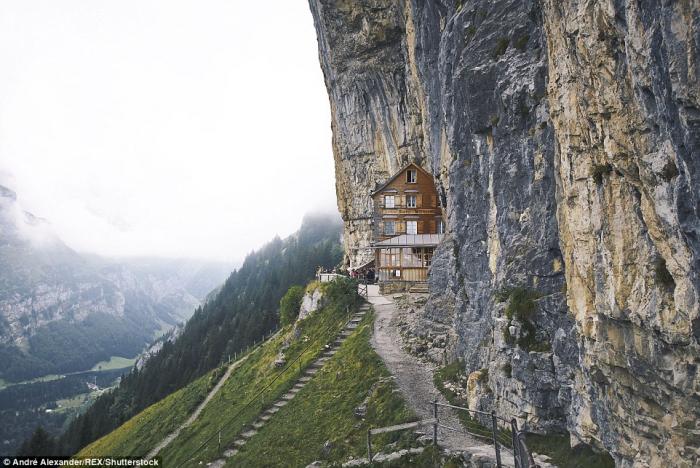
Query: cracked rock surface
[564, 136]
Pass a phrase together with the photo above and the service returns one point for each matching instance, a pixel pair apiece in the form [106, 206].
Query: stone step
[265, 417]
[259, 424]
[311, 371]
[280, 403]
[230, 452]
[239, 442]
[288, 396]
[272, 410]
[298, 385]
[219, 463]
[249, 434]
[305, 379]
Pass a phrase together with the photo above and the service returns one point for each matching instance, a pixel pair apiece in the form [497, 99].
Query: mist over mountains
[62, 311]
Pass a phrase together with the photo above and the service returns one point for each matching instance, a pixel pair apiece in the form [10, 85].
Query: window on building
[397, 273]
[410, 201]
[389, 227]
[440, 226]
[411, 227]
[411, 176]
[388, 201]
[428, 257]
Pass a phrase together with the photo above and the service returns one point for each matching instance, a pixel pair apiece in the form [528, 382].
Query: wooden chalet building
[407, 225]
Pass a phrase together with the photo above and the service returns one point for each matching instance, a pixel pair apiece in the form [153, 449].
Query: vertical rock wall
[562, 134]
[375, 116]
[623, 90]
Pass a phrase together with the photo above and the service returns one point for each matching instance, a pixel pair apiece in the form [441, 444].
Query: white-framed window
[389, 228]
[411, 227]
[410, 201]
[397, 273]
[440, 226]
[411, 176]
[388, 201]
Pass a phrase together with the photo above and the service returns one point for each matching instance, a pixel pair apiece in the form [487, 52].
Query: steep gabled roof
[398, 173]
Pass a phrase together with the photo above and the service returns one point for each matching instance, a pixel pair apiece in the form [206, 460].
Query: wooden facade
[407, 204]
[408, 224]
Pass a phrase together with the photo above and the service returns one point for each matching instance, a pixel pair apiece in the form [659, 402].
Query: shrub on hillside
[289, 305]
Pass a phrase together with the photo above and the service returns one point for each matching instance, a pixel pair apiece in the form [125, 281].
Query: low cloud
[181, 132]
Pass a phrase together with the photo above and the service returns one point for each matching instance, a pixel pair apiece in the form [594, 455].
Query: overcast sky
[168, 128]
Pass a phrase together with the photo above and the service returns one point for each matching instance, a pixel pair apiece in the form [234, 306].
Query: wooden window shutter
[419, 200]
[420, 227]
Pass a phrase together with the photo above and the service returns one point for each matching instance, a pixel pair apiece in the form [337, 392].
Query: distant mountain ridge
[239, 313]
[62, 311]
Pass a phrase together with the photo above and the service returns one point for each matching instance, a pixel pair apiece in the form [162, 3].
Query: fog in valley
[186, 131]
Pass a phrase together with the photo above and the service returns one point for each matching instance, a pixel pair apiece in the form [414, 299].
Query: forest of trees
[244, 310]
[23, 406]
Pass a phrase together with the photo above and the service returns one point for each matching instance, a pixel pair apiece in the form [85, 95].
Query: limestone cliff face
[563, 135]
[375, 115]
[623, 90]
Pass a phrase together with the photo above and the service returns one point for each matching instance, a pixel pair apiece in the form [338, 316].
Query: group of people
[367, 274]
[362, 274]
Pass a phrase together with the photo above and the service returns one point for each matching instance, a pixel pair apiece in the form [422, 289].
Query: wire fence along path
[512, 441]
[501, 439]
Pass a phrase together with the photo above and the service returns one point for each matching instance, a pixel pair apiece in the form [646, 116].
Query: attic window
[411, 176]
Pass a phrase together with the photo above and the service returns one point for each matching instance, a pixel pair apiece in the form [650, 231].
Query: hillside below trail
[195, 414]
[414, 379]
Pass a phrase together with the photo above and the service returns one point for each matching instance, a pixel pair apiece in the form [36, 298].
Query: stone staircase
[311, 370]
[419, 288]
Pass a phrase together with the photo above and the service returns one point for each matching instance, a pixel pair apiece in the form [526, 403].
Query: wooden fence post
[516, 452]
[435, 424]
[494, 433]
[369, 445]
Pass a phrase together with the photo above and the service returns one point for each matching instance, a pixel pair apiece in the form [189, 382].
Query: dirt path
[415, 380]
[173, 435]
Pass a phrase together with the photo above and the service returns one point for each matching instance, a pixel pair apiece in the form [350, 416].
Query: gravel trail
[415, 380]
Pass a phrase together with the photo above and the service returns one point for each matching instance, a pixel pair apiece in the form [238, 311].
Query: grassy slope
[238, 403]
[295, 436]
[115, 362]
[323, 411]
[142, 432]
[230, 411]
